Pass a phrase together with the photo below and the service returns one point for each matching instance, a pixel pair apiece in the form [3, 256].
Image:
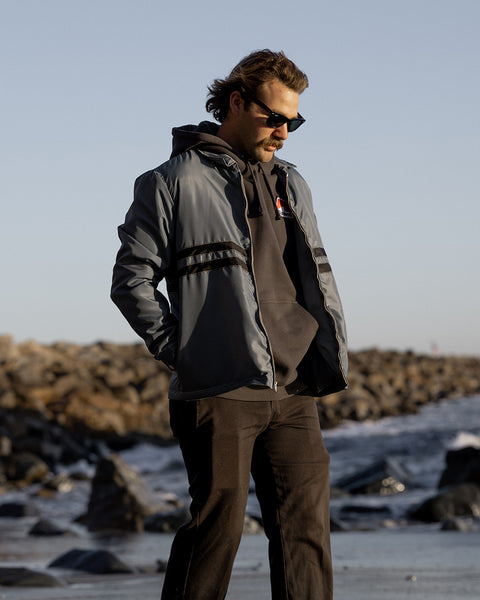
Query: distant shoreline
[108, 390]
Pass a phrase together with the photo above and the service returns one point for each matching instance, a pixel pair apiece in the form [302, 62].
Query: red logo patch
[283, 209]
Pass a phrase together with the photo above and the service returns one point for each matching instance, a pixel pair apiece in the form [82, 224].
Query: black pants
[281, 444]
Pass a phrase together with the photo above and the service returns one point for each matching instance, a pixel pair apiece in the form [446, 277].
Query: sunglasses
[274, 119]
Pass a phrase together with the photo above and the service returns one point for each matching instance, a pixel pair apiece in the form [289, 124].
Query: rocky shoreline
[106, 390]
[64, 402]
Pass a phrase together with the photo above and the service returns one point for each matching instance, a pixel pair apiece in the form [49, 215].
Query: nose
[281, 133]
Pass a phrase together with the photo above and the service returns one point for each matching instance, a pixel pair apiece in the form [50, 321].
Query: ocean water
[416, 442]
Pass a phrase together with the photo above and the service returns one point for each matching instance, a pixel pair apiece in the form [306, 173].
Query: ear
[236, 103]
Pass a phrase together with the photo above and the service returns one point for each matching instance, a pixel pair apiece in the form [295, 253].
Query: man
[253, 331]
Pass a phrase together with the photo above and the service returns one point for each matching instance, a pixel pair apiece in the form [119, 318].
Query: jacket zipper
[275, 385]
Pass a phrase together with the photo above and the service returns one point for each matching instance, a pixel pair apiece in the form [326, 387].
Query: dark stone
[384, 477]
[337, 525]
[18, 510]
[161, 566]
[361, 509]
[59, 483]
[40, 447]
[33, 432]
[458, 524]
[463, 466]
[120, 499]
[22, 577]
[167, 522]
[91, 561]
[460, 501]
[45, 527]
[25, 467]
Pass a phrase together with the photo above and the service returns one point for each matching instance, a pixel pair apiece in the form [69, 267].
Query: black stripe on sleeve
[213, 264]
[213, 247]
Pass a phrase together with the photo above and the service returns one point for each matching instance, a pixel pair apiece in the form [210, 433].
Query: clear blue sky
[91, 90]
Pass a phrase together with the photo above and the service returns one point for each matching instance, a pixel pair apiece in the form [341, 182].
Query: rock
[252, 526]
[8, 350]
[18, 510]
[167, 522]
[463, 466]
[362, 509]
[161, 566]
[120, 499]
[87, 389]
[337, 525]
[60, 482]
[22, 577]
[5, 445]
[385, 477]
[91, 561]
[457, 524]
[45, 527]
[25, 468]
[32, 433]
[459, 501]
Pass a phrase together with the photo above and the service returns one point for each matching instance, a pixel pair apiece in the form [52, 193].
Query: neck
[227, 135]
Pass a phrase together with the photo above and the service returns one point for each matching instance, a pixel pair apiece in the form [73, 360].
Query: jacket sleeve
[144, 259]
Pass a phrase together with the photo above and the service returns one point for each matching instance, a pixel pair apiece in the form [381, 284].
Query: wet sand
[383, 565]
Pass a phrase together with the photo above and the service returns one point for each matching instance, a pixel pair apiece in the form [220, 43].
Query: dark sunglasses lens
[295, 124]
[276, 121]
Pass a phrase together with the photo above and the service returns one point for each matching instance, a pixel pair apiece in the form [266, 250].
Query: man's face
[254, 138]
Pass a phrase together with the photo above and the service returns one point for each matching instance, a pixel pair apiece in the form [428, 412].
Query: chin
[265, 155]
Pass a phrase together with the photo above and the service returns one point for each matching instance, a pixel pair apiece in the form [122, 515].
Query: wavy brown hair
[250, 73]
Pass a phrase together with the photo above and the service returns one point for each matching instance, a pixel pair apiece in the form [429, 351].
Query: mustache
[272, 142]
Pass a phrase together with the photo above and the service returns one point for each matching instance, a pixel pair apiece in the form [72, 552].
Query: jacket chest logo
[283, 209]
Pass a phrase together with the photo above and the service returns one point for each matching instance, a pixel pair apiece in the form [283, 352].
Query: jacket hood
[204, 134]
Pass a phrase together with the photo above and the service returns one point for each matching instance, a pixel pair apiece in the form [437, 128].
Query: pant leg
[216, 437]
[291, 471]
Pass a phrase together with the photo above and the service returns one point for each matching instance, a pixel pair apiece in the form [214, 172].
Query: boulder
[91, 561]
[356, 510]
[252, 525]
[18, 510]
[22, 577]
[463, 466]
[5, 444]
[459, 524]
[167, 521]
[61, 482]
[25, 468]
[30, 431]
[120, 499]
[8, 350]
[459, 501]
[385, 477]
[45, 527]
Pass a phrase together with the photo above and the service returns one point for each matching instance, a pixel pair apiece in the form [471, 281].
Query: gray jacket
[188, 224]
